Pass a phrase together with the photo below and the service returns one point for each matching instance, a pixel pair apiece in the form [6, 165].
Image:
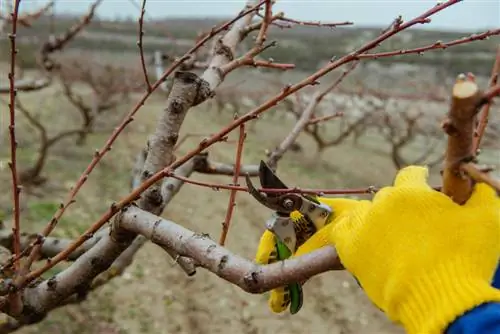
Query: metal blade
[260, 197]
[269, 180]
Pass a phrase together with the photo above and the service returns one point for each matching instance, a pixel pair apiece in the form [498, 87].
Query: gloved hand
[421, 258]
[280, 298]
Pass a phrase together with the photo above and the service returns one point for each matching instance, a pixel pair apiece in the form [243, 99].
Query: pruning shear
[289, 234]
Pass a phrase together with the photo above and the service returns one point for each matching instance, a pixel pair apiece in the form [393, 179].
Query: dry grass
[154, 296]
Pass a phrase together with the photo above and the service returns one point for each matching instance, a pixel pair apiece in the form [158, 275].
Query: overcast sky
[467, 15]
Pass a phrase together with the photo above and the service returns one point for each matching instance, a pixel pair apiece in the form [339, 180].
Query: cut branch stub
[460, 126]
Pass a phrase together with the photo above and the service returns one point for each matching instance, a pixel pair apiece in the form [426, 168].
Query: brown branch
[139, 44]
[460, 126]
[246, 274]
[269, 64]
[191, 135]
[262, 36]
[257, 25]
[436, 46]
[232, 195]
[218, 186]
[16, 189]
[14, 299]
[491, 93]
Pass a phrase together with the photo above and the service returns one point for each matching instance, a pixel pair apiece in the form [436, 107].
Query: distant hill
[307, 47]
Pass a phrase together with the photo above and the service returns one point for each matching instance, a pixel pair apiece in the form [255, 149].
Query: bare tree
[109, 243]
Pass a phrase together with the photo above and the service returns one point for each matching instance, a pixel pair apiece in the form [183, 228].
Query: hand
[421, 258]
[280, 298]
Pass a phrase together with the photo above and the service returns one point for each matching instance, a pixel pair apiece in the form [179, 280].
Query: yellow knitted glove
[279, 298]
[421, 258]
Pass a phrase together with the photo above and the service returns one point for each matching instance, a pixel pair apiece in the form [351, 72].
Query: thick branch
[246, 274]
[187, 91]
[205, 166]
[40, 299]
[170, 187]
[460, 126]
[50, 247]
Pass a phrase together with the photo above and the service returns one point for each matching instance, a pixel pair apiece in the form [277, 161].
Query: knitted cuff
[434, 301]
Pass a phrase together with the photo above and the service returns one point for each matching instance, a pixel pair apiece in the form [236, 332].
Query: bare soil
[154, 295]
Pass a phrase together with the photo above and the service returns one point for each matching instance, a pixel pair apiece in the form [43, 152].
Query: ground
[154, 295]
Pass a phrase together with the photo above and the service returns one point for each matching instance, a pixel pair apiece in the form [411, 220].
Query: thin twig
[325, 118]
[316, 23]
[262, 36]
[311, 23]
[271, 64]
[232, 195]
[12, 131]
[436, 46]
[15, 301]
[477, 175]
[491, 93]
[484, 113]
[296, 190]
[139, 44]
[337, 82]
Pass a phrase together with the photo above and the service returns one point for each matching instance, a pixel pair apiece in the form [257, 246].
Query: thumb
[412, 176]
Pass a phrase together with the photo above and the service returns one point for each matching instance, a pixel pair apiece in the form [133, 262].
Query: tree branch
[246, 274]
[460, 126]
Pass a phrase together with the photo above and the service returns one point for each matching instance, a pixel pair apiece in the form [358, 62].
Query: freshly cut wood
[460, 126]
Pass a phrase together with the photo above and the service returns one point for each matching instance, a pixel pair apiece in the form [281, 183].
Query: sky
[467, 15]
